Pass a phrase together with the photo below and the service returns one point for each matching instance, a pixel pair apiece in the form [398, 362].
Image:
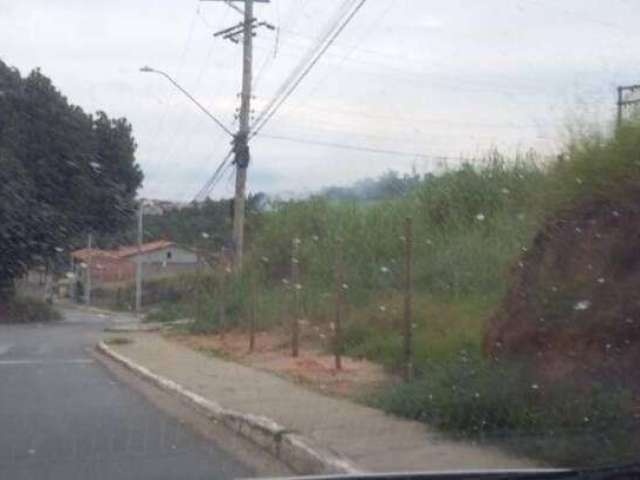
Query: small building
[159, 259]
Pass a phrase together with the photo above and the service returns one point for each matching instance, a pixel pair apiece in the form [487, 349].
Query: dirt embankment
[573, 310]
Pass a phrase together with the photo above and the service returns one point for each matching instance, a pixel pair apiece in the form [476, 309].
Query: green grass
[499, 403]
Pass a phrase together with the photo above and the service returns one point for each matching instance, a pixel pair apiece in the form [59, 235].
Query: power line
[359, 148]
[215, 178]
[307, 58]
[306, 71]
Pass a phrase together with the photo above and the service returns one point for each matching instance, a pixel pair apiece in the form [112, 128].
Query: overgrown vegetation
[27, 310]
[563, 424]
[471, 227]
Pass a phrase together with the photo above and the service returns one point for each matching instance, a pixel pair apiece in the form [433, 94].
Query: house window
[168, 255]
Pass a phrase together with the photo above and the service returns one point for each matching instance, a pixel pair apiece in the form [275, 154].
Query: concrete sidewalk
[370, 439]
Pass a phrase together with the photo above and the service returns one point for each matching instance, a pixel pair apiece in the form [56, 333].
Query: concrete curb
[133, 328]
[296, 451]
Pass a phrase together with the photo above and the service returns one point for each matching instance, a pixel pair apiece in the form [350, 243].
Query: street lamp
[148, 69]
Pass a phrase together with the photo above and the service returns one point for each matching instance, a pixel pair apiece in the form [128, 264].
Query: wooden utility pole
[87, 294]
[139, 259]
[253, 315]
[408, 300]
[295, 285]
[241, 141]
[246, 29]
[631, 99]
[337, 334]
[619, 112]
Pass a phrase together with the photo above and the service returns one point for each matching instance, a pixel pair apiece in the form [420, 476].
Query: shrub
[499, 402]
[28, 310]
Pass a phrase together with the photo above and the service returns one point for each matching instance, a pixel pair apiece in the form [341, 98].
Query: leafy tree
[62, 173]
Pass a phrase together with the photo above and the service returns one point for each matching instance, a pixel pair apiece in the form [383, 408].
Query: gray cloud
[435, 78]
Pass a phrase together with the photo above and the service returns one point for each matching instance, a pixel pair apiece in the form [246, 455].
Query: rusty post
[408, 301]
[254, 311]
[295, 285]
[222, 305]
[337, 338]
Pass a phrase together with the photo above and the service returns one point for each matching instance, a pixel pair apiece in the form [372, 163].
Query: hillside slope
[573, 310]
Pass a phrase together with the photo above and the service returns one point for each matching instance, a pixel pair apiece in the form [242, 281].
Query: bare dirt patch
[573, 310]
[313, 367]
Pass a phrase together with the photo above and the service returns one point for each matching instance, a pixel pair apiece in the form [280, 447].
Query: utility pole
[408, 300]
[246, 29]
[87, 293]
[139, 259]
[626, 98]
[241, 141]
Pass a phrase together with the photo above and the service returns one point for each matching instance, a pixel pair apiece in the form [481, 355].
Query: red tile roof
[85, 253]
[144, 248]
[122, 252]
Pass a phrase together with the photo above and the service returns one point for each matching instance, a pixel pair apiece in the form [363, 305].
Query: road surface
[63, 415]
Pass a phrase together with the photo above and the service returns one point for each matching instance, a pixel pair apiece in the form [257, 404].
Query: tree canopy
[63, 172]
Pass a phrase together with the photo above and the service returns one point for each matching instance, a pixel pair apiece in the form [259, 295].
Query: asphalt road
[65, 416]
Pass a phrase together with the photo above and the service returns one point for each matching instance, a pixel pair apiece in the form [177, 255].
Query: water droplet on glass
[582, 305]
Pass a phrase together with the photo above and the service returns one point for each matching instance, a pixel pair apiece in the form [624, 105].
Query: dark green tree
[63, 173]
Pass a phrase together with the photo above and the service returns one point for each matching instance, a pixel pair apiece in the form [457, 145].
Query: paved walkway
[372, 440]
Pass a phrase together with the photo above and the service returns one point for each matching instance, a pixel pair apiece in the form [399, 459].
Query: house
[159, 259]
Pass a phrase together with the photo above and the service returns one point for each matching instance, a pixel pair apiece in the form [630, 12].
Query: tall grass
[471, 225]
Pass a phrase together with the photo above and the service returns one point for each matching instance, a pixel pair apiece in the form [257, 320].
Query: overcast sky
[429, 78]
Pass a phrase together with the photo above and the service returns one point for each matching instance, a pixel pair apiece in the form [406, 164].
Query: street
[66, 416]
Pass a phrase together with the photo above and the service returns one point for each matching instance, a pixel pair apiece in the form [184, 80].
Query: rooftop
[122, 252]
